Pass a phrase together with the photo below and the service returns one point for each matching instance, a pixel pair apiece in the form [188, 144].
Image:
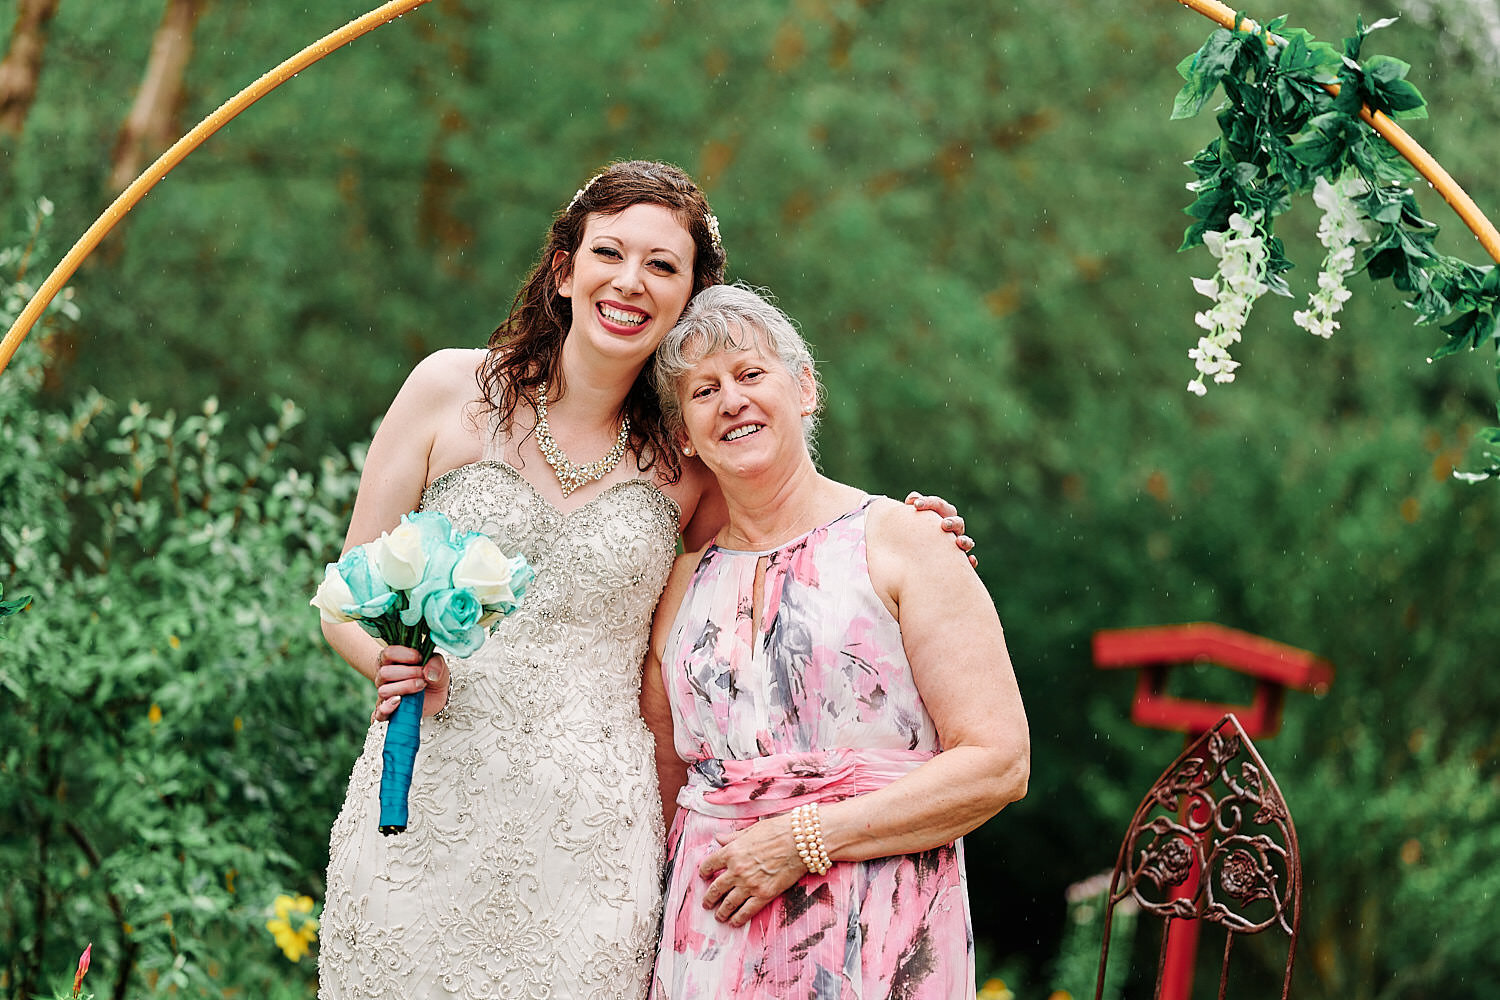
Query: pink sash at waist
[762, 786]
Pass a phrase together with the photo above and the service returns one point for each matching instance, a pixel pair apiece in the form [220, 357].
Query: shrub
[176, 734]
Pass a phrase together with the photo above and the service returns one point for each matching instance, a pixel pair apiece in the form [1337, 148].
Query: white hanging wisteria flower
[1240, 280]
[1343, 230]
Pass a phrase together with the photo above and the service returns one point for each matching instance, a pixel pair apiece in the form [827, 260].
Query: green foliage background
[972, 208]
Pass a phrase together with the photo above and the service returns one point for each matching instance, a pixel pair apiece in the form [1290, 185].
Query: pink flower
[83, 966]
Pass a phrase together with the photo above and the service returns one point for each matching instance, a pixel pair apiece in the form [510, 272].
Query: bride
[531, 863]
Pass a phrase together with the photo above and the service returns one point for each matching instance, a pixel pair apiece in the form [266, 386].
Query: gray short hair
[722, 318]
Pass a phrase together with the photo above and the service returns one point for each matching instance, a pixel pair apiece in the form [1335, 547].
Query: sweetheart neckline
[564, 514]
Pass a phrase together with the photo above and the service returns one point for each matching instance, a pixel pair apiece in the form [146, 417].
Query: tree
[22, 67]
[153, 122]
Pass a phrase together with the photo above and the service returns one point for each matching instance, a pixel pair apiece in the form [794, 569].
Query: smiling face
[742, 410]
[629, 281]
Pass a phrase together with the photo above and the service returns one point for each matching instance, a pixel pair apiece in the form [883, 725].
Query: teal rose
[453, 616]
[418, 556]
[353, 590]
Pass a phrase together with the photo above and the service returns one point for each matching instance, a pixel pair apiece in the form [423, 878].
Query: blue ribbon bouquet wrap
[425, 585]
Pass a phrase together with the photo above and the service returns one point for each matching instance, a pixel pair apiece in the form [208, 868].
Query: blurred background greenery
[972, 208]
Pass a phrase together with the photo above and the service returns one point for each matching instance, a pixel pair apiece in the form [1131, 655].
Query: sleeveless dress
[809, 700]
[531, 866]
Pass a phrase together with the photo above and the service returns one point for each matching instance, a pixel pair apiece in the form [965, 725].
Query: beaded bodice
[600, 570]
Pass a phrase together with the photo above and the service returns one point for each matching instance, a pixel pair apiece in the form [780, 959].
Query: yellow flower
[995, 989]
[293, 927]
[155, 714]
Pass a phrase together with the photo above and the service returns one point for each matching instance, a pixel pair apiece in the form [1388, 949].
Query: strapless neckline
[494, 463]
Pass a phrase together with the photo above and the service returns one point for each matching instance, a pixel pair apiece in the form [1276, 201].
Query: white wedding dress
[531, 864]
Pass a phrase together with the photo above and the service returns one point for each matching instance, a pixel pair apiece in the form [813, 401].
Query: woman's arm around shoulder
[702, 504]
[656, 706]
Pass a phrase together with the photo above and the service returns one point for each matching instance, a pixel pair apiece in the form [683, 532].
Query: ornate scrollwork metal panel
[1213, 841]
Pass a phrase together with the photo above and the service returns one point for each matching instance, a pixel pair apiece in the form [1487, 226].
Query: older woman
[835, 677]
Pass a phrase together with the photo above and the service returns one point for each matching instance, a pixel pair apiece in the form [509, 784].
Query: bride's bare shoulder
[443, 382]
[439, 411]
[700, 501]
[447, 370]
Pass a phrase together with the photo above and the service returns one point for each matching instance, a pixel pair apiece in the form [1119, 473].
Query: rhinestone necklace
[570, 476]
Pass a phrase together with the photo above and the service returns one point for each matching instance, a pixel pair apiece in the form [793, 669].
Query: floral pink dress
[810, 700]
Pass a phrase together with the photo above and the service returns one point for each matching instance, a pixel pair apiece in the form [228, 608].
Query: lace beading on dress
[531, 865]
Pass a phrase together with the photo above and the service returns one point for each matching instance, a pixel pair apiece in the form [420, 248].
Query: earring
[687, 450]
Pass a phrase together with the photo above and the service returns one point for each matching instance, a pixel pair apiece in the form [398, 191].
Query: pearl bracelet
[807, 835]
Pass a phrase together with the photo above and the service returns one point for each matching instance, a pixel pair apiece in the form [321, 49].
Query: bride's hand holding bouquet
[420, 587]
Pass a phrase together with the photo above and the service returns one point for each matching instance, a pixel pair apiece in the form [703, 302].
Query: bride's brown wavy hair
[526, 349]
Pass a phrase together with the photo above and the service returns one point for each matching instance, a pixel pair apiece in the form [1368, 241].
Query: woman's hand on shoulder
[905, 545]
[952, 522]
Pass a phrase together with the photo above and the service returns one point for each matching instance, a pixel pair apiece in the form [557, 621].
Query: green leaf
[12, 607]
[1212, 209]
[1327, 142]
[1433, 303]
[1379, 162]
[1351, 96]
[1401, 256]
[1469, 330]
[1388, 90]
[1490, 286]
[1304, 60]
[1204, 70]
[1353, 44]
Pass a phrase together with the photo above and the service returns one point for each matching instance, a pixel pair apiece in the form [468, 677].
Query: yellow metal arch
[1403, 143]
[179, 150]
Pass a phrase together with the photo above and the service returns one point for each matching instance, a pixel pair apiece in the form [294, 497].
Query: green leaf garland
[1281, 129]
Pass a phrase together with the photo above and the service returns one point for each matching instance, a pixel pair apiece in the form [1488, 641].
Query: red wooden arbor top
[1274, 665]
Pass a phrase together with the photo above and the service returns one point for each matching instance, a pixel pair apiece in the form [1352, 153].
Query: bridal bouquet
[427, 586]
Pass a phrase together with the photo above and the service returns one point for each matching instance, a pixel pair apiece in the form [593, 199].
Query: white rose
[486, 571]
[399, 557]
[333, 596]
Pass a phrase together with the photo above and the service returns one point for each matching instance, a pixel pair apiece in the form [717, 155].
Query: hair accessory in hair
[709, 218]
[580, 192]
[713, 230]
